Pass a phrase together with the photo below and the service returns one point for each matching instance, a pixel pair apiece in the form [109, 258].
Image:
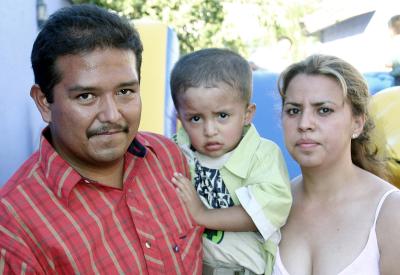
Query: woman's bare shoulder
[388, 233]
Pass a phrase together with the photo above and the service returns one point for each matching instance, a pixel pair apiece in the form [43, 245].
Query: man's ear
[250, 111]
[41, 103]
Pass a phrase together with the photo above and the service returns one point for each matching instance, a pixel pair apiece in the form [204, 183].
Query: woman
[344, 219]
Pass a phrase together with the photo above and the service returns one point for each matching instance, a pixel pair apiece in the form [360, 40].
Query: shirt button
[176, 248]
[147, 244]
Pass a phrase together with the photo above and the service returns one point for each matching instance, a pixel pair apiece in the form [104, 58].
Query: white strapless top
[366, 263]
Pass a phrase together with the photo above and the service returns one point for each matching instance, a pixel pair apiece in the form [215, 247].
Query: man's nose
[109, 109]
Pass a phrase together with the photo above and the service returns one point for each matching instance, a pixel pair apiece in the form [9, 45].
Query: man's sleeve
[15, 255]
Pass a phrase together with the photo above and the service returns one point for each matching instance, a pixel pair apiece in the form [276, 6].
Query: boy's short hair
[210, 67]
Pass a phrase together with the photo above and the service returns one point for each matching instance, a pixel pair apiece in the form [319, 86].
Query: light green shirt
[256, 177]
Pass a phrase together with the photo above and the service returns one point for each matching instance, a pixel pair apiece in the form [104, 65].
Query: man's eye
[85, 96]
[125, 91]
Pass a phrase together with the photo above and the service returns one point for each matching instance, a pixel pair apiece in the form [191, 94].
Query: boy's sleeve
[182, 140]
[266, 196]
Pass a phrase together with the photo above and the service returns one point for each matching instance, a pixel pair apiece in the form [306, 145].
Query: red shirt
[54, 221]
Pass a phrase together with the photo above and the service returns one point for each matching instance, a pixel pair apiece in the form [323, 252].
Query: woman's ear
[250, 111]
[358, 125]
[41, 102]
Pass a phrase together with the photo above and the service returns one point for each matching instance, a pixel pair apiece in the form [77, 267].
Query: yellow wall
[153, 75]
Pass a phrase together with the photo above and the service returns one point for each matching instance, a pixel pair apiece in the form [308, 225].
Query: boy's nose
[210, 129]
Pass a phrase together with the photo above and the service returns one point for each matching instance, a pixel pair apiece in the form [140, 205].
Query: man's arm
[15, 255]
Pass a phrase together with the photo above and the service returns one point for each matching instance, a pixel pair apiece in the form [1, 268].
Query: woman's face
[318, 122]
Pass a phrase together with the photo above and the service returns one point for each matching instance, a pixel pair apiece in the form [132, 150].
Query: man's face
[96, 110]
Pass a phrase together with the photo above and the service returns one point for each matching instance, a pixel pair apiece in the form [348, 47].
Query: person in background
[96, 198]
[345, 217]
[240, 189]
[394, 65]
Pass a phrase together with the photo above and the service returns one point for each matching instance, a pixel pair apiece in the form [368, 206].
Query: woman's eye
[223, 115]
[325, 110]
[292, 111]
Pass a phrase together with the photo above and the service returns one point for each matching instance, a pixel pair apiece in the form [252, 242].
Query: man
[97, 197]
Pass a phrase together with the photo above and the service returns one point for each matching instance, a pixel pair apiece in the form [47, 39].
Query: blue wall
[267, 117]
[21, 122]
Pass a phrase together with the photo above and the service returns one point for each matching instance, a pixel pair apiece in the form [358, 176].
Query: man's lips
[107, 131]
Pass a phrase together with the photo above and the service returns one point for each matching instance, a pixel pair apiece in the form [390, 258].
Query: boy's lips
[213, 146]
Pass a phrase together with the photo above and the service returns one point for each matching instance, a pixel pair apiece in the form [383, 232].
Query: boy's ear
[41, 103]
[250, 111]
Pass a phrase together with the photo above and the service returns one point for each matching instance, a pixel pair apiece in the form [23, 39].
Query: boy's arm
[227, 219]
[267, 196]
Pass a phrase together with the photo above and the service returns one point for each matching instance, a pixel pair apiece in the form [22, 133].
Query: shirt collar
[240, 161]
[60, 177]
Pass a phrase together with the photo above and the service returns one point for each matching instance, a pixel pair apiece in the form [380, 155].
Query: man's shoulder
[154, 139]
[158, 143]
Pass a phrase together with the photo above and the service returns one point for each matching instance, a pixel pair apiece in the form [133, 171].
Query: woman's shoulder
[388, 232]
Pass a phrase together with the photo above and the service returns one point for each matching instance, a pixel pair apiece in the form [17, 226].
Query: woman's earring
[354, 136]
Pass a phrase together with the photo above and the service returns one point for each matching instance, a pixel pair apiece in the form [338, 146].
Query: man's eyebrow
[80, 88]
[129, 83]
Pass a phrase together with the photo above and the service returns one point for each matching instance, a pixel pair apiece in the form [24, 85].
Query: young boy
[241, 191]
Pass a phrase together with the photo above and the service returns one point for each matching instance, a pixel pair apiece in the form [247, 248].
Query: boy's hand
[189, 196]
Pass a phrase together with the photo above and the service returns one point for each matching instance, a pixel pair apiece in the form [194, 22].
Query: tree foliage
[214, 23]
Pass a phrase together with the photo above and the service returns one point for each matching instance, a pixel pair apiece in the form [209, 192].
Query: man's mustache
[107, 128]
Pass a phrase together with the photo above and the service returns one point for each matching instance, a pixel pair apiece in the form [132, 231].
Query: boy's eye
[195, 119]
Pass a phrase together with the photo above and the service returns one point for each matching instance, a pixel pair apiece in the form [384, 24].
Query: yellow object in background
[385, 109]
[161, 51]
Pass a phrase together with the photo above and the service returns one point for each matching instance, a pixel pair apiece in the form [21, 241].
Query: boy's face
[214, 118]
